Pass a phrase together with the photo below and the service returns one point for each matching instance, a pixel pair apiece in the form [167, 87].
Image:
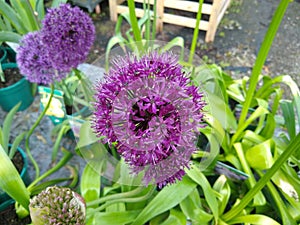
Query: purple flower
[33, 63]
[150, 109]
[69, 34]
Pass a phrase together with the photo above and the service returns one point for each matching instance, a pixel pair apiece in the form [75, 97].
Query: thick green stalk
[261, 57]
[196, 32]
[37, 122]
[134, 23]
[292, 147]
[127, 200]
[115, 197]
[154, 20]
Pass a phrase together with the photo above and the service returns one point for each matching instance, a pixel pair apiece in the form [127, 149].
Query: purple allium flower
[150, 109]
[69, 34]
[33, 63]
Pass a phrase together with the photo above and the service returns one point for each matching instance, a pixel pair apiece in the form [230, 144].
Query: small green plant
[20, 17]
[5, 133]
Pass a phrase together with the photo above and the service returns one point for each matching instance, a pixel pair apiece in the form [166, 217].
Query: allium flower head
[33, 63]
[69, 34]
[150, 109]
[57, 205]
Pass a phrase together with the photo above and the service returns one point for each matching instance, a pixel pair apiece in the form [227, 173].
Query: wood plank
[182, 5]
[216, 11]
[170, 18]
[160, 15]
[184, 21]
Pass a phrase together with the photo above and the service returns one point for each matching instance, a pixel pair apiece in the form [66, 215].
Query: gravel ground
[236, 45]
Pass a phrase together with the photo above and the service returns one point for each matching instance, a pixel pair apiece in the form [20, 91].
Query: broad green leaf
[286, 184]
[117, 207]
[87, 136]
[195, 174]
[259, 198]
[253, 219]
[8, 12]
[175, 217]
[9, 36]
[260, 156]
[287, 108]
[26, 13]
[191, 207]
[115, 218]
[159, 219]
[222, 187]
[90, 181]
[279, 204]
[166, 199]
[11, 181]
[219, 110]
[39, 7]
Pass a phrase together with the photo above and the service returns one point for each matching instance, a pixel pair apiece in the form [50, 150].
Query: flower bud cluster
[57, 206]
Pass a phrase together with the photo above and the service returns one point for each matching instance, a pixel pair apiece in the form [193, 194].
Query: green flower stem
[261, 57]
[292, 147]
[67, 156]
[128, 200]
[134, 22]
[37, 122]
[59, 137]
[154, 20]
[196, 32]
[115, 197]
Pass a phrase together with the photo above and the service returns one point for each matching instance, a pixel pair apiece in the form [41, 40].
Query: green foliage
[5, 133]
[20, 17]
[11, 181]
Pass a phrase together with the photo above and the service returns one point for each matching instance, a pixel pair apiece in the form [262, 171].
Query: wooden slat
[224, 6]
[170, 18]
[182, 5]
[184, 21]
[160, 15]
[216, 11]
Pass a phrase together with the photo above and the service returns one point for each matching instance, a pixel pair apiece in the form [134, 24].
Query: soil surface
[12, 76]
[235, 47]
[9, 217]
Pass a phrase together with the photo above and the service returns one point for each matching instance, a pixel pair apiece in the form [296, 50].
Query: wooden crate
[214, 10]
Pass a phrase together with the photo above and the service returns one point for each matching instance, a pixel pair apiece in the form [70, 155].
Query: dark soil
[18, 161]
[9, 217]
[12, 76]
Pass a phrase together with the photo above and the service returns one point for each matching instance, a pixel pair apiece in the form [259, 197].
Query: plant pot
[5, 199]
[3, 55]
[11, 55]
[20, 91]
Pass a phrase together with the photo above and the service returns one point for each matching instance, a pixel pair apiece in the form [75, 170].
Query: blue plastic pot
[18, 92]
